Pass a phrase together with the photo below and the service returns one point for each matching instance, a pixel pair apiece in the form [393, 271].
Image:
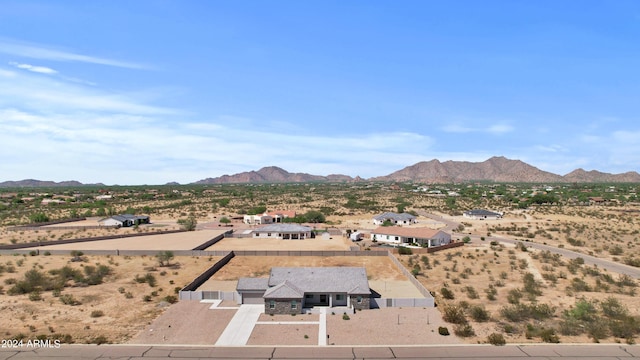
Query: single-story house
[257, 219]
[289, 290]
[394, 218]
[283, 231]
[479, 214]
[124, 220]
[279, 215]
[399, 235]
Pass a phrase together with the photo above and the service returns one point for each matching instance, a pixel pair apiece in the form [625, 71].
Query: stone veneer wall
[366, 302]
[283, 306]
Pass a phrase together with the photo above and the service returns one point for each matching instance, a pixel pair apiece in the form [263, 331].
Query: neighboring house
[394, 218]
[124, 220]
[279, 215]
[257, 219]
[291, 290]
[283, 231]
[423, 236]
[478, 214]
[356, 236]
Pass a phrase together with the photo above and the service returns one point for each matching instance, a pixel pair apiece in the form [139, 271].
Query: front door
[323, 299]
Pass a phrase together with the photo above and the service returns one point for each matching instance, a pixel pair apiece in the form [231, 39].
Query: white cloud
[497, 129]
[36, 51]
[32, 68]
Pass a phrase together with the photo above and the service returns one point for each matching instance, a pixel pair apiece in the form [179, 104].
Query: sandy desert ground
[335, 243]
[120, 298]
[177, 241]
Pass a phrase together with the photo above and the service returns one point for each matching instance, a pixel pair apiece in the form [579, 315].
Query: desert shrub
[464, 330]
[171, 299]
[404, 250]
[454, 314]
[579, 285]
[47, 253]
[521, 312]
[35, 296]
[447, 293]
[531, 286]
[68, 299]
[496, 339]
[99, 340]
[612, 308]
[345, 317]
[478, 313]
[97, 313]
[33, 253]
[514, 296]
[491, 292]
[146, 298]
[444, 331]
[150, 279]
[471, 292]
[616, 250]
[128, 295]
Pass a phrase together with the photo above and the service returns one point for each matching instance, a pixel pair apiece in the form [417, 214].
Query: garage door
[248, 298]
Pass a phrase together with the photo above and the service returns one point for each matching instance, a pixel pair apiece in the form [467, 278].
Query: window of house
[359, 300]
[308, 296]
[272, 304]
[294, 305]
[339, 297]
[268, 234]
[396, 238]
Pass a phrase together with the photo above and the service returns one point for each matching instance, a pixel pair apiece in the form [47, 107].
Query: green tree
[314, 216]
[39, 218]
[165, 257]
[225, 220]
[189, 223]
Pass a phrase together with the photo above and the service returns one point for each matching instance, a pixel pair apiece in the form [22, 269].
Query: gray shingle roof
[247, 284]
[284, 228]
[394, 216]
[284, 290]
[350, 280]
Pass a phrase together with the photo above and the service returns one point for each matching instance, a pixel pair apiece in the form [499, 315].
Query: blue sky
[147, 92]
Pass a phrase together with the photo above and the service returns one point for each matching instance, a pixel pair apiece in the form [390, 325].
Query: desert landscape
[486, 291]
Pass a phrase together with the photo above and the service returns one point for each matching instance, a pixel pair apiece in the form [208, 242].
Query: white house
[124, 220]
[479, 214]
[394, 218]
[257, 219]
[422, 236]
[283, 231]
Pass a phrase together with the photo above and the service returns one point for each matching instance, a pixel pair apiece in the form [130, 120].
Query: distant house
[283, 231]
[422, 236]
[394, 218]
[257, 219]
[479, 214]
[279, 215]
[124, 220]
[291, 290]
[356, 236]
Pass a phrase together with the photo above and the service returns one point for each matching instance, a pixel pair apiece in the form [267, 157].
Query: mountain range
[495, 169]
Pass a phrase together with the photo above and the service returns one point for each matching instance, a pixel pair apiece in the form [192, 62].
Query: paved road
[481, 352]
[589, 260]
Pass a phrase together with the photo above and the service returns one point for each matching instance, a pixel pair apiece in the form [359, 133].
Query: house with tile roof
[290, 290]
[401, 235]
[394, 218]
[480, 214]
[283, 231]
[279, 215]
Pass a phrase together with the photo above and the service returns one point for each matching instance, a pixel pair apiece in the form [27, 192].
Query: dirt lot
[397, 326]
[187, 322]
[74, 230]
[384, 276]
[178, 241]
[335, 243]
[473, 271]
[120, 299]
